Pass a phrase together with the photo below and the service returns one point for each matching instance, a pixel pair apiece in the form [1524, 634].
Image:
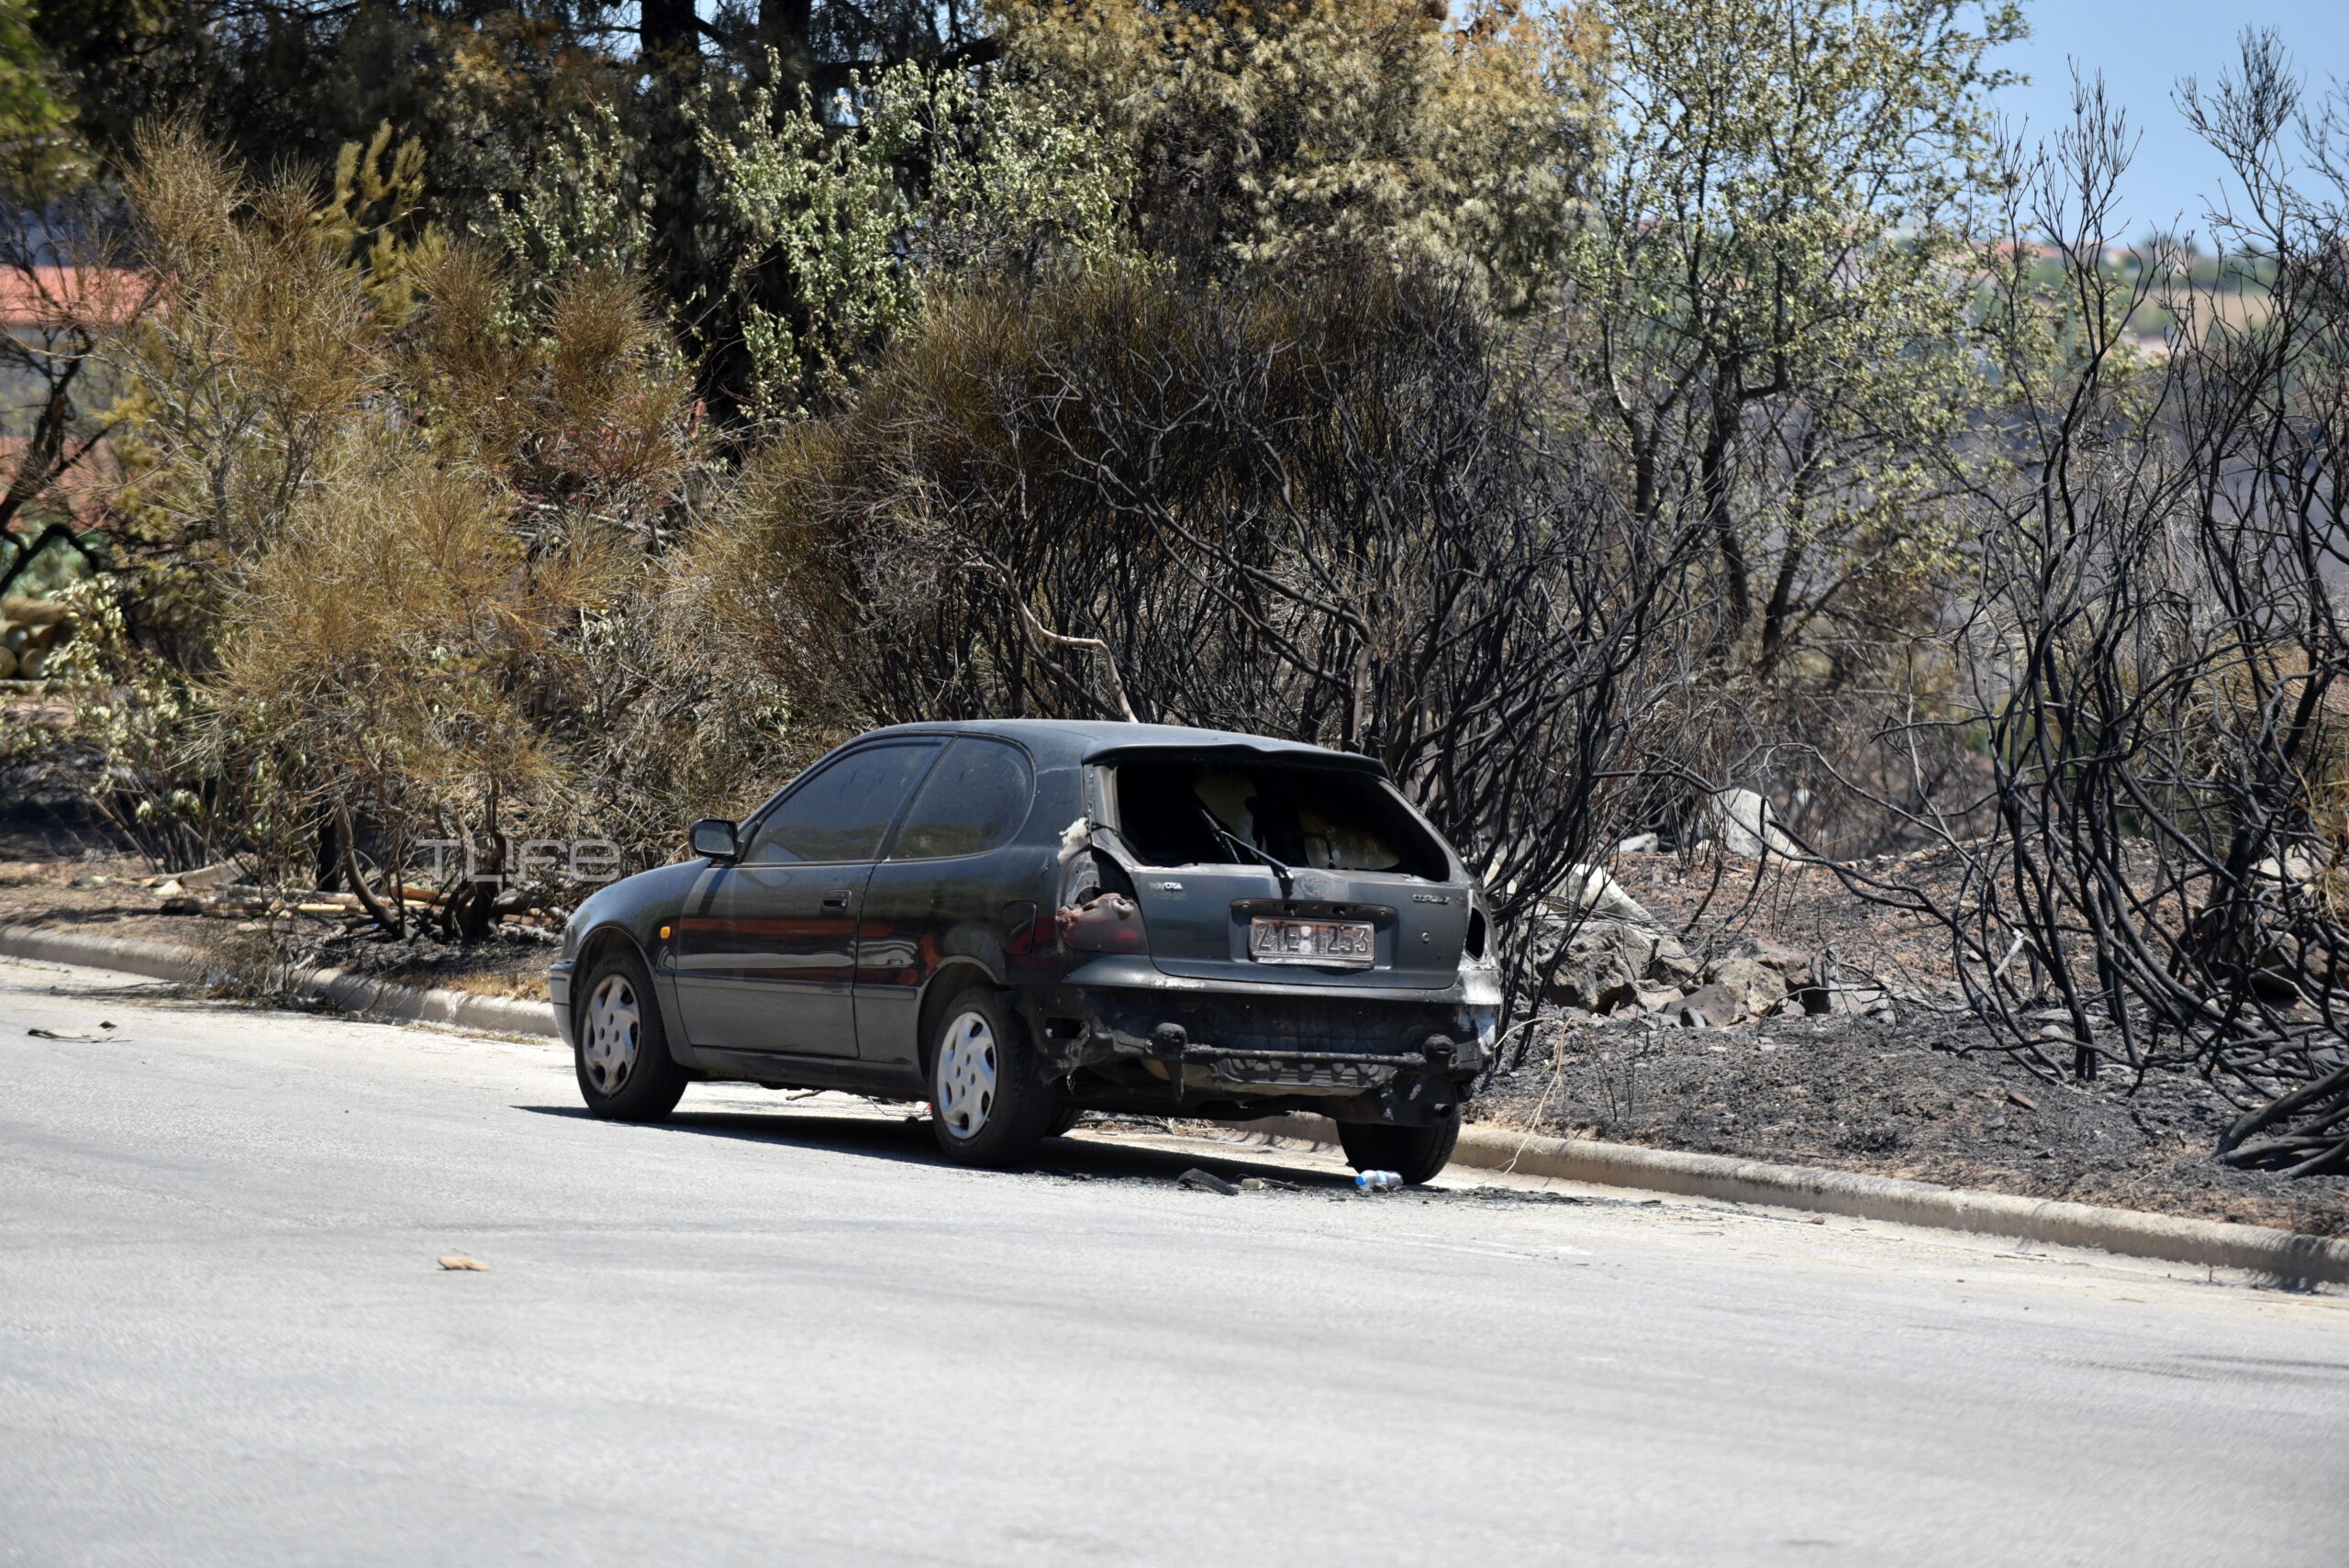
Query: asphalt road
[783, 1334]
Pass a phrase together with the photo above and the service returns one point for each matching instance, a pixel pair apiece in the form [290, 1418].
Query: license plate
[1330, 944]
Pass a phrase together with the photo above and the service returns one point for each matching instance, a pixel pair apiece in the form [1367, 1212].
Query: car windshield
[1216, 811]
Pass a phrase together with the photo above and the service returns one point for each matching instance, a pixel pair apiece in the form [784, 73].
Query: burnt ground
[1710, 900]
[63, 864]
[1926, 1096]
[1922, 1098]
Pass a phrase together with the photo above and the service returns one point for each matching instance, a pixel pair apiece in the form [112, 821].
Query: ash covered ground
[1924, 1096]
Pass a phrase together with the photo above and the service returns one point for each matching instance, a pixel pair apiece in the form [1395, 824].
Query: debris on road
[463, 1265]
[1206, 1182]
[105, 1033]
[1378, 1181]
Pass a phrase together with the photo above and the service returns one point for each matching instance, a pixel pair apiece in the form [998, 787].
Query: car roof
[1094, 740]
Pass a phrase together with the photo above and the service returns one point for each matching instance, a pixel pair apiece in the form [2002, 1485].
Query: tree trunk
[667, 27]
[786, 26]
[669, 43]
[327, 873]
[1713, 480]
[377, 910]
[1777, 617]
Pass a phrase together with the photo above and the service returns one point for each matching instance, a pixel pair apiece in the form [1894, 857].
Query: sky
[2142, 47]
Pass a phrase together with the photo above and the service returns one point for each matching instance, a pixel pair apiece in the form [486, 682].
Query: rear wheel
[1417, 1154]
[989, 1104]
[625, 1073]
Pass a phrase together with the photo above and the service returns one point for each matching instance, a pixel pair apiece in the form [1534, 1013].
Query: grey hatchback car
[1019, 922]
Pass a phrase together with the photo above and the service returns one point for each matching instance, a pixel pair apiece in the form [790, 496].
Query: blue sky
[2142, 47]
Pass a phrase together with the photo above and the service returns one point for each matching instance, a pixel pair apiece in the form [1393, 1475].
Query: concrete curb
[2260, 1249]
[352, 993]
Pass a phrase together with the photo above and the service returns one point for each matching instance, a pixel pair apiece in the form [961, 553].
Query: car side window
[975, 799]
[841, 814]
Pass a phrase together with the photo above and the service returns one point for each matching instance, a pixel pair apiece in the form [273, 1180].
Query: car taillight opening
[1110, 923]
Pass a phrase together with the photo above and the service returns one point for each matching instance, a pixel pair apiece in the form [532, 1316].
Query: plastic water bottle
[1378, 1180]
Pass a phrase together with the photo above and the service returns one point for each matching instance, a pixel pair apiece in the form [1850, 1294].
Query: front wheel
[1417, 1154]
[625, 1073]
[989, 1104]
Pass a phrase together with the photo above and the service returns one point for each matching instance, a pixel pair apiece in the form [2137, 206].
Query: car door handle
[837, 898]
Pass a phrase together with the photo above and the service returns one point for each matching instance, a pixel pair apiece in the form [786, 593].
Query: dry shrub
[250, 961]
[395, 526]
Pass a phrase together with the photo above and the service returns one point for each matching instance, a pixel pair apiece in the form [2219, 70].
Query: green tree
[1261, 130]
[938, 176]
[39, 151]
[1766, 302]
[48, 212]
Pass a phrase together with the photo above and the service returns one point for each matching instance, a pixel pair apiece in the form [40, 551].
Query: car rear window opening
[1189, 811]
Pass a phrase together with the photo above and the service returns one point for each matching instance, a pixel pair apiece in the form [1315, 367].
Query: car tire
[1063, 1119]
[989, 1102]
[621, 1053]
[1417, 1154]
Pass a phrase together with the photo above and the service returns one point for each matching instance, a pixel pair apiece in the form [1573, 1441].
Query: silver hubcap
[613, 1023]
[966, 1069]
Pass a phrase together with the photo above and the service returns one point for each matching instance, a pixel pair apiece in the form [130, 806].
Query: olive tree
[1768, 295]
[1260, 131]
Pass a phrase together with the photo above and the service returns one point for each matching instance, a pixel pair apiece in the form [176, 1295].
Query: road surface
[782, 1333]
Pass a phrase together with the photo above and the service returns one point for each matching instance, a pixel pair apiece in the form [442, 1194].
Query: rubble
[1712, 1007]
[1588, 887]
[1748, 988]
[1621, 968]
[1740, 819]
[1610, 964]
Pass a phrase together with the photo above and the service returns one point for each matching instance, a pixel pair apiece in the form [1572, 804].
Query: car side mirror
[717, 838]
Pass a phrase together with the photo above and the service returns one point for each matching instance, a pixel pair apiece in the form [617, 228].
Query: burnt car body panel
[820, 974]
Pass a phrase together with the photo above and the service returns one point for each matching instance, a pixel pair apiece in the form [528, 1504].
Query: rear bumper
[1405, 1057]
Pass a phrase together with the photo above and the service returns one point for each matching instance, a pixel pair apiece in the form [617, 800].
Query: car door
[941, 890]
[766, 947]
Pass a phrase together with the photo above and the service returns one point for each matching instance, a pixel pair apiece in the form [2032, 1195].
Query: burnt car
[1019, 922]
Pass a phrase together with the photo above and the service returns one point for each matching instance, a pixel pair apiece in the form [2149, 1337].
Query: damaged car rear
[1021, 921]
